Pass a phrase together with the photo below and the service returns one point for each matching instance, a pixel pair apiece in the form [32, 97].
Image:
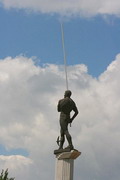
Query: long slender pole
[64, 54]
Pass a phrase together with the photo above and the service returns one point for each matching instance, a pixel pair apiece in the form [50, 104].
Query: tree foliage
[4, 175]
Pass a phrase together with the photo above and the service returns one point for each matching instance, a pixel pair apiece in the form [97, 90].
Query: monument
[65, 156]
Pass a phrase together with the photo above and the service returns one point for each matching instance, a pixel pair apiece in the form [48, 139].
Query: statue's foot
[70, 147]
[59, 150]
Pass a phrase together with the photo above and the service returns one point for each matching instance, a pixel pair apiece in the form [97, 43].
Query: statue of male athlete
[65, 106]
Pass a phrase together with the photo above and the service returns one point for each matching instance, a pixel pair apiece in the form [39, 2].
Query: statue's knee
[62, 134]
[67, 133]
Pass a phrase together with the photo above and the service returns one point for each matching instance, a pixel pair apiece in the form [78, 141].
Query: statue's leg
[62, 130]
[62, 140]
[69, 139]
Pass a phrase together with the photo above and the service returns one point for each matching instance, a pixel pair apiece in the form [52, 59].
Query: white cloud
[29, 120]
[18, 165]
[67, 8]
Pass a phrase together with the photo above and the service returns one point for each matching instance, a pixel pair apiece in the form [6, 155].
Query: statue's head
[68, 93]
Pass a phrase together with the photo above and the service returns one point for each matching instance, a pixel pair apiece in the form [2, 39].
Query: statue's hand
[71, 120]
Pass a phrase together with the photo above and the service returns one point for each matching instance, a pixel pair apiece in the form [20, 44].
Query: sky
[32, 80]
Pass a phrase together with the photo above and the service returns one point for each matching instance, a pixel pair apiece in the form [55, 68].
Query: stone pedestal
[65, 165]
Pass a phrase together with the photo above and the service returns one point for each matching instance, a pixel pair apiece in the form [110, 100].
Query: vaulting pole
[64, 54]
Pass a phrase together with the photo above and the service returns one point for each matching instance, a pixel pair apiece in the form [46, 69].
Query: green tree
[4, 175]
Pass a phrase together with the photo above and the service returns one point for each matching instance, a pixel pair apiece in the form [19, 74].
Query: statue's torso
[66, 105]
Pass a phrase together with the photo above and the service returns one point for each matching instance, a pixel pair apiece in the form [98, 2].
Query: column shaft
[64, 169]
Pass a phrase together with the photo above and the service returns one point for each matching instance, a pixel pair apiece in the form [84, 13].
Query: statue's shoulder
[71, 100]
[61, 100]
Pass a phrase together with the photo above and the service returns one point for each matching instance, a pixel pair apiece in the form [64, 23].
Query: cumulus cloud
[29, 119]
[18, 165]
[67, 8]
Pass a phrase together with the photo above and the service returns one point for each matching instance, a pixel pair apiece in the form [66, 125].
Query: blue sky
[92, 41]
[7, 152]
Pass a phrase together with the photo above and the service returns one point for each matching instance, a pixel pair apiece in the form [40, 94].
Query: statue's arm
[58, 107]
[75, 113]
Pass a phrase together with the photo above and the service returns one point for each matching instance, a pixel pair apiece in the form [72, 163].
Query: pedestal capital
[68, 155]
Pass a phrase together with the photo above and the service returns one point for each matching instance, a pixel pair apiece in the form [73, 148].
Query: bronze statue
[65, 106]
